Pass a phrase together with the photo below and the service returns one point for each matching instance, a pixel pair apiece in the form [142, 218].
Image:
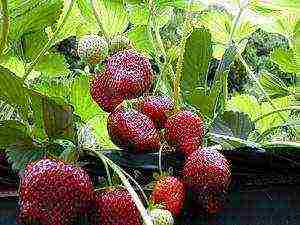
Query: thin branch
[49, 43]
[5, 26]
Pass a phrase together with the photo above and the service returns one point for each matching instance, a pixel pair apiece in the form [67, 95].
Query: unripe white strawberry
[93, 48]
[161, 217]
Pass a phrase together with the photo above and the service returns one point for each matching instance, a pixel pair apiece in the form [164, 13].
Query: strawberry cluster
[53, 192]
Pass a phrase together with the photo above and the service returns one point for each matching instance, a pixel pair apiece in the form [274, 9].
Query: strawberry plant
[140, 80]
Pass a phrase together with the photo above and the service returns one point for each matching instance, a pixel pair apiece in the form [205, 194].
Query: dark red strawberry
[52, 192]
[169, 192]
[157, 108]
[184, 130]
[127, 75]
[206, 173]
[133, 130]
[116, 207]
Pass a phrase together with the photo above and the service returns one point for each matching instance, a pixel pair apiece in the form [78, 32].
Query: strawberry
[184, 130]
[169, 192]
[116, 207]
[206, 173]
[118, 43]
[92, 48]
[127, 75]
[130, 73]
[161, 217]
[103, 95]
[53, 192]
[157, 108]
[133, 130]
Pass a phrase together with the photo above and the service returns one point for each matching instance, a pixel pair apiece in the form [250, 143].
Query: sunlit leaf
[142, 39]
[13, 92]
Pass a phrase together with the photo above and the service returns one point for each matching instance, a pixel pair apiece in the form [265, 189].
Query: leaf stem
[49, 43]
[97, 16]
[5, 26]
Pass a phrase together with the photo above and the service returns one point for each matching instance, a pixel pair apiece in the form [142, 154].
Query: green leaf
[80, 21]
[164, 15]
[139, 15]
[13, 92]
[21, 154]
[175, 3]
[51, 63]
[274, 86]
[198, 51]
[286, 59]
[218, 23]
[292, 5]
[142, 39]
[58, 119]
[38, 128]
[249, 105]
[81, 99]
[235, 124]
[12, 131]
[113, 16]
[99, 127]
[54, 116]
[31, 16]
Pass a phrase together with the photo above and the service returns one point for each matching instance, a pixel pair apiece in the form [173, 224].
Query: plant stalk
[5, 26]
[49, 43]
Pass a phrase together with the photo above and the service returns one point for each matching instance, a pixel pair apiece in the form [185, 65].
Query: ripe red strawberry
[170, 192]
[207, 174]
[133, 130]
[184, 130]
[116, 207]
[52, 192]
[130, 73]
[157, 108]
[106, 97]
[127, 75]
